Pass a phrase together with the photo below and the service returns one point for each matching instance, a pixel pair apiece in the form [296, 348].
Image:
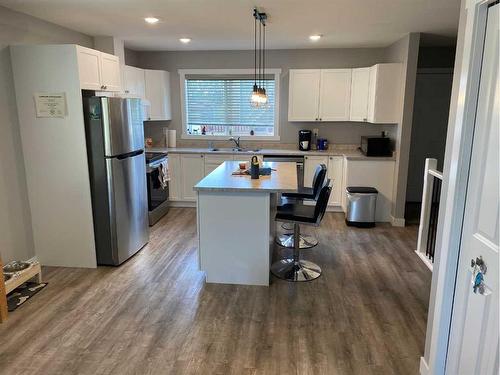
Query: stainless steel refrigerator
[117, 168]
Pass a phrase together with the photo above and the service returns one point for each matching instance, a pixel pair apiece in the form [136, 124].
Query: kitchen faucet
[236, 141]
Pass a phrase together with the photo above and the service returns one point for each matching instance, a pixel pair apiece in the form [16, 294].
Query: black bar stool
[304, 193]
[296, 269]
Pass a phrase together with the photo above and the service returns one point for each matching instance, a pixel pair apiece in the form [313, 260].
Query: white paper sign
[50, 105]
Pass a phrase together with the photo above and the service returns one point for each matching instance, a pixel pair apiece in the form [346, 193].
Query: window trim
[182, 80]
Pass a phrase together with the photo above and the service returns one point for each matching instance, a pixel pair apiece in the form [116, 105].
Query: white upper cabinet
[110, 72]
[134, 84]
[360, 89]
[319, 95]
[98, 70]
[385, 93]
[303, 95]
[363, 94]
[157, 84]
[89, 67]
[335, 94]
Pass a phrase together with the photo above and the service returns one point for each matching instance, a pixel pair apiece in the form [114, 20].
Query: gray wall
[404, 51]
[335, 132]
[16, 241]
[430, 114]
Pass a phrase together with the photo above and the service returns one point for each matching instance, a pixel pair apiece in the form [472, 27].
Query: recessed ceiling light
[185, 40]
[315, 37]
[151, 20]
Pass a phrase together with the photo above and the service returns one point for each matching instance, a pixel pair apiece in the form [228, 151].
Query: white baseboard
[181, 204]
[424, 368]
[397, 221]
[426, 261]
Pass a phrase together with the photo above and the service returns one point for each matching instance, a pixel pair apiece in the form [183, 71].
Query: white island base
[236, 232]
[236, 224]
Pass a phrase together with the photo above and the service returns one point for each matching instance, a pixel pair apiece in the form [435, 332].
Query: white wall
[16, 239]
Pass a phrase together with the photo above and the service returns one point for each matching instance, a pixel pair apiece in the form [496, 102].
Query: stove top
[154, 156]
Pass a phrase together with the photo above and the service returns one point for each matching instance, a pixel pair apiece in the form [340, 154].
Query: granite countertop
[283, 179]
[350, 154]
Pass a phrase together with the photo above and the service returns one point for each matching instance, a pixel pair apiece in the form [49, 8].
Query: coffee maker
[305, 140]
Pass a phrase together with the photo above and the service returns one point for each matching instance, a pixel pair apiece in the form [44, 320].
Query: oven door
[156, 193]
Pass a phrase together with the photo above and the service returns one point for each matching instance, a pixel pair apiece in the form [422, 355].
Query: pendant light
[259, 95]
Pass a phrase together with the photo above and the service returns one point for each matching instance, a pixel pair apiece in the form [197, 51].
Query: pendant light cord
[260, 53]
[255, 52]
[263, 54]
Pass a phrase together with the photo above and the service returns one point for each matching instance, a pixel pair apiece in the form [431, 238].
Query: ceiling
[228, 24]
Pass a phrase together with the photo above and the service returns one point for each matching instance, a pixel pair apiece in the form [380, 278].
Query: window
[217, 105]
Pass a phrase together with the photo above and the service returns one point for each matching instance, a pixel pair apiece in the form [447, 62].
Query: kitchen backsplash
[336, 133]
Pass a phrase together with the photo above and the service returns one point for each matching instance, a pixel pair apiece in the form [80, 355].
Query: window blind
[221, 106]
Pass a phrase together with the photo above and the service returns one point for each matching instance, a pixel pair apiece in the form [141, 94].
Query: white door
[360, 88]
[174, 165]
[192, 171]
[213, 161]
[158, 94]
[110, 72]
[384, 93]
[335, 174]
[310, 164]
[303, 95]
[474, 339]
[133, 82]
[335, 94]
[89, 68]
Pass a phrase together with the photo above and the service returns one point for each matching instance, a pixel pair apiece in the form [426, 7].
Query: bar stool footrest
[290, 270]
[287, 240]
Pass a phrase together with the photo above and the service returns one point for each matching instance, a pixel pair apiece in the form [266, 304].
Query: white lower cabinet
[310, 164]
[192, 171]
[186, 170]
[213, 161]
[335, 165]
[378, 174]
[335, 174]
[174, 169]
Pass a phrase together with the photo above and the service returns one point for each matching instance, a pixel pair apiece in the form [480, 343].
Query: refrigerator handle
[130, 154]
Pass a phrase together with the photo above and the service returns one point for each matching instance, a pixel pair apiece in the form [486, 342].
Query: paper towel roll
[172, 138]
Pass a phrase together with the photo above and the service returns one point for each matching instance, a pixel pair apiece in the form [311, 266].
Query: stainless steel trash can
[361, 205]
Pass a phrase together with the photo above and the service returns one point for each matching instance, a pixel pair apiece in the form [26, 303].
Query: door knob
[478, 271]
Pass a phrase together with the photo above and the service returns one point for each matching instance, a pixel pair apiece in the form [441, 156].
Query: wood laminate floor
[155, 315]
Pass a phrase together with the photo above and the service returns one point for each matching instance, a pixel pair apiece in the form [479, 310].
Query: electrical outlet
[316, 132]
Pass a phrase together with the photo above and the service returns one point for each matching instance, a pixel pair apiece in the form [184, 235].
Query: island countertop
[283, 179]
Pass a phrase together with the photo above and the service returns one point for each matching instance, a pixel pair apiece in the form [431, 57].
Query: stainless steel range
[157, 188]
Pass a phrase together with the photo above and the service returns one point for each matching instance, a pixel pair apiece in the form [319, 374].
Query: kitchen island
[236, 222]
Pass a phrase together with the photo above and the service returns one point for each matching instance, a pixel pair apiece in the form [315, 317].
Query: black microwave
[376, 146]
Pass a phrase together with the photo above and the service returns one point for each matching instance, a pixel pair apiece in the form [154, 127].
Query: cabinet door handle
[365, 119]
[305, 157]
[201, 155]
